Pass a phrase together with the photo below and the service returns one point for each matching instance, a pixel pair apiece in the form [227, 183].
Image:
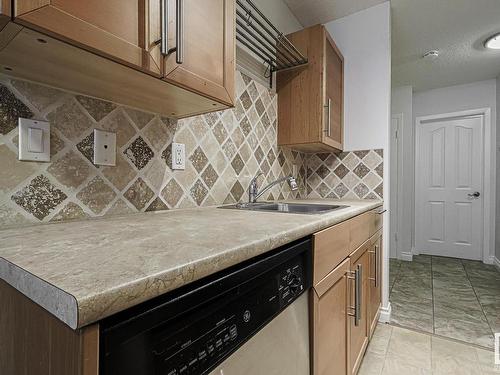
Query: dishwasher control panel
[196, 329]
[205, 343]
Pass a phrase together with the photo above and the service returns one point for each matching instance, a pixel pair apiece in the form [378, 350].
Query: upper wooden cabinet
[310, 99]
[118, 29]
[113, 49]
[205, 59]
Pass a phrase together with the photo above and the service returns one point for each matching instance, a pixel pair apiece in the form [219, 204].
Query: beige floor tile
[410, 348]
[400, 367]
[380, 340]
[449, 357]
[372, 364]
[487, 362]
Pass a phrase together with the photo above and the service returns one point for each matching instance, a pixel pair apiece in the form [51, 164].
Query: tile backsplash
[224, 150]
[348, 175]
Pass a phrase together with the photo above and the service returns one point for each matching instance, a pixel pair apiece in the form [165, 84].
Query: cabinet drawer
[377, 221]
[331, 246]
[361, 226]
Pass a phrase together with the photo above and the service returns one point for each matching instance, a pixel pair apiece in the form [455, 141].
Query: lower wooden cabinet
[375, 281]
[346, 297]
[329, 315]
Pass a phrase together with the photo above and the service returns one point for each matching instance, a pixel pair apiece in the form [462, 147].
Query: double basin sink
[292, 208]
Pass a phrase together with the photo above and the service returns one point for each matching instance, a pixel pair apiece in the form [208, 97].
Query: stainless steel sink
[293, 208]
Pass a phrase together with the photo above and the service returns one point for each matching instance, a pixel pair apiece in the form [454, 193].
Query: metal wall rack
[260, 36]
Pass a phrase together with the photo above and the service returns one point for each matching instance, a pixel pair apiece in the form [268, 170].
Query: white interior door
[449, 204]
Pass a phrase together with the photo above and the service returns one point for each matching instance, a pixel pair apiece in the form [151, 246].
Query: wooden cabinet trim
[25, 6]
[90, 350]
[329, 280]
[55, 22]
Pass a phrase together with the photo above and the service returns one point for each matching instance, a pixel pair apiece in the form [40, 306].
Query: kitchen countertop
[84, 271]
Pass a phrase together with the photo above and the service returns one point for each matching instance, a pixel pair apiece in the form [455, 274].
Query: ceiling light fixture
[431, 55]
[493, 42]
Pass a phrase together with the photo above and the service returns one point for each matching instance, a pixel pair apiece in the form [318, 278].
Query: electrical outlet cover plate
[34, 140]
[178, 156]
[104, 147]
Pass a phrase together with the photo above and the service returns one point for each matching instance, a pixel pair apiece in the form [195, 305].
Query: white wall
[497, 231]
[364, 38]
[475, 95]
[280, 15]
[402, 104]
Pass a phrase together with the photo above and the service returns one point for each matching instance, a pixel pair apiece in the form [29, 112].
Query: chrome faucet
[254, 193]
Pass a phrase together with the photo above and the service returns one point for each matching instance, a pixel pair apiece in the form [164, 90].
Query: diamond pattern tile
[70, 120]
[237, 164]
[157, 205]
[198, 159]
[11, 109]
[86, 147]
[199, 192]
[172, 193]
[40, 197]
[70, 170]
[210, 176]
[139, 194]
[97, 195]
[98, 109]
[139, 153]
[237, 191]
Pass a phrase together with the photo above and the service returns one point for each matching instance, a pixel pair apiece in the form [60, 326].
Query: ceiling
[312, 12]
[456, 28]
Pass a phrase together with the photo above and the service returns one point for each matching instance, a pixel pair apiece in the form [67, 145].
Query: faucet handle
[254, 180]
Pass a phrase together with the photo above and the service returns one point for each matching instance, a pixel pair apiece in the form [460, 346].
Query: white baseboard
[496, 262]
[407, 256]
[385, 314]
[489, 260]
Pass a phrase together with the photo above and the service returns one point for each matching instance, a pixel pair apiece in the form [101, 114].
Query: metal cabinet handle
[476, 194]
[163, 25]
[375, 256]
[179, 35]
[357, 294]
[356, 309]
[328, 130]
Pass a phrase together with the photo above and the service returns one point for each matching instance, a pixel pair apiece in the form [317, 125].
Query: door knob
[476, 194]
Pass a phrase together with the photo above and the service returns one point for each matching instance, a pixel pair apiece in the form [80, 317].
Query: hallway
[454, 298]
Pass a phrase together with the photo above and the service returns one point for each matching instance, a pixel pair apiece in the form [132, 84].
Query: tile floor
[449, 297]
[399, 351]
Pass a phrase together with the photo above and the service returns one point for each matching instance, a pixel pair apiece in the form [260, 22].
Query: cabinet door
[117, 29]
[358, 332]
[329, 309]
[201, 46]
[5, 13]
[375, 278]
[333, 132]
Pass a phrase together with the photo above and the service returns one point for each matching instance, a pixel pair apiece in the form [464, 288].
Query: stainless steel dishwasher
[251, 319]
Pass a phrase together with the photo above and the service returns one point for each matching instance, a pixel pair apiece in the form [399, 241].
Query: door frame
[488, 173]
[396, 182]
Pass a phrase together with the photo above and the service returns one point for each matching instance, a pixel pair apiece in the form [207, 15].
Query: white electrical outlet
[104, 147]
[178, 156]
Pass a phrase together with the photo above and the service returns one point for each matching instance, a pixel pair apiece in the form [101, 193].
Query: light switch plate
[34, 140]
[104, 148]
[178, 156]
